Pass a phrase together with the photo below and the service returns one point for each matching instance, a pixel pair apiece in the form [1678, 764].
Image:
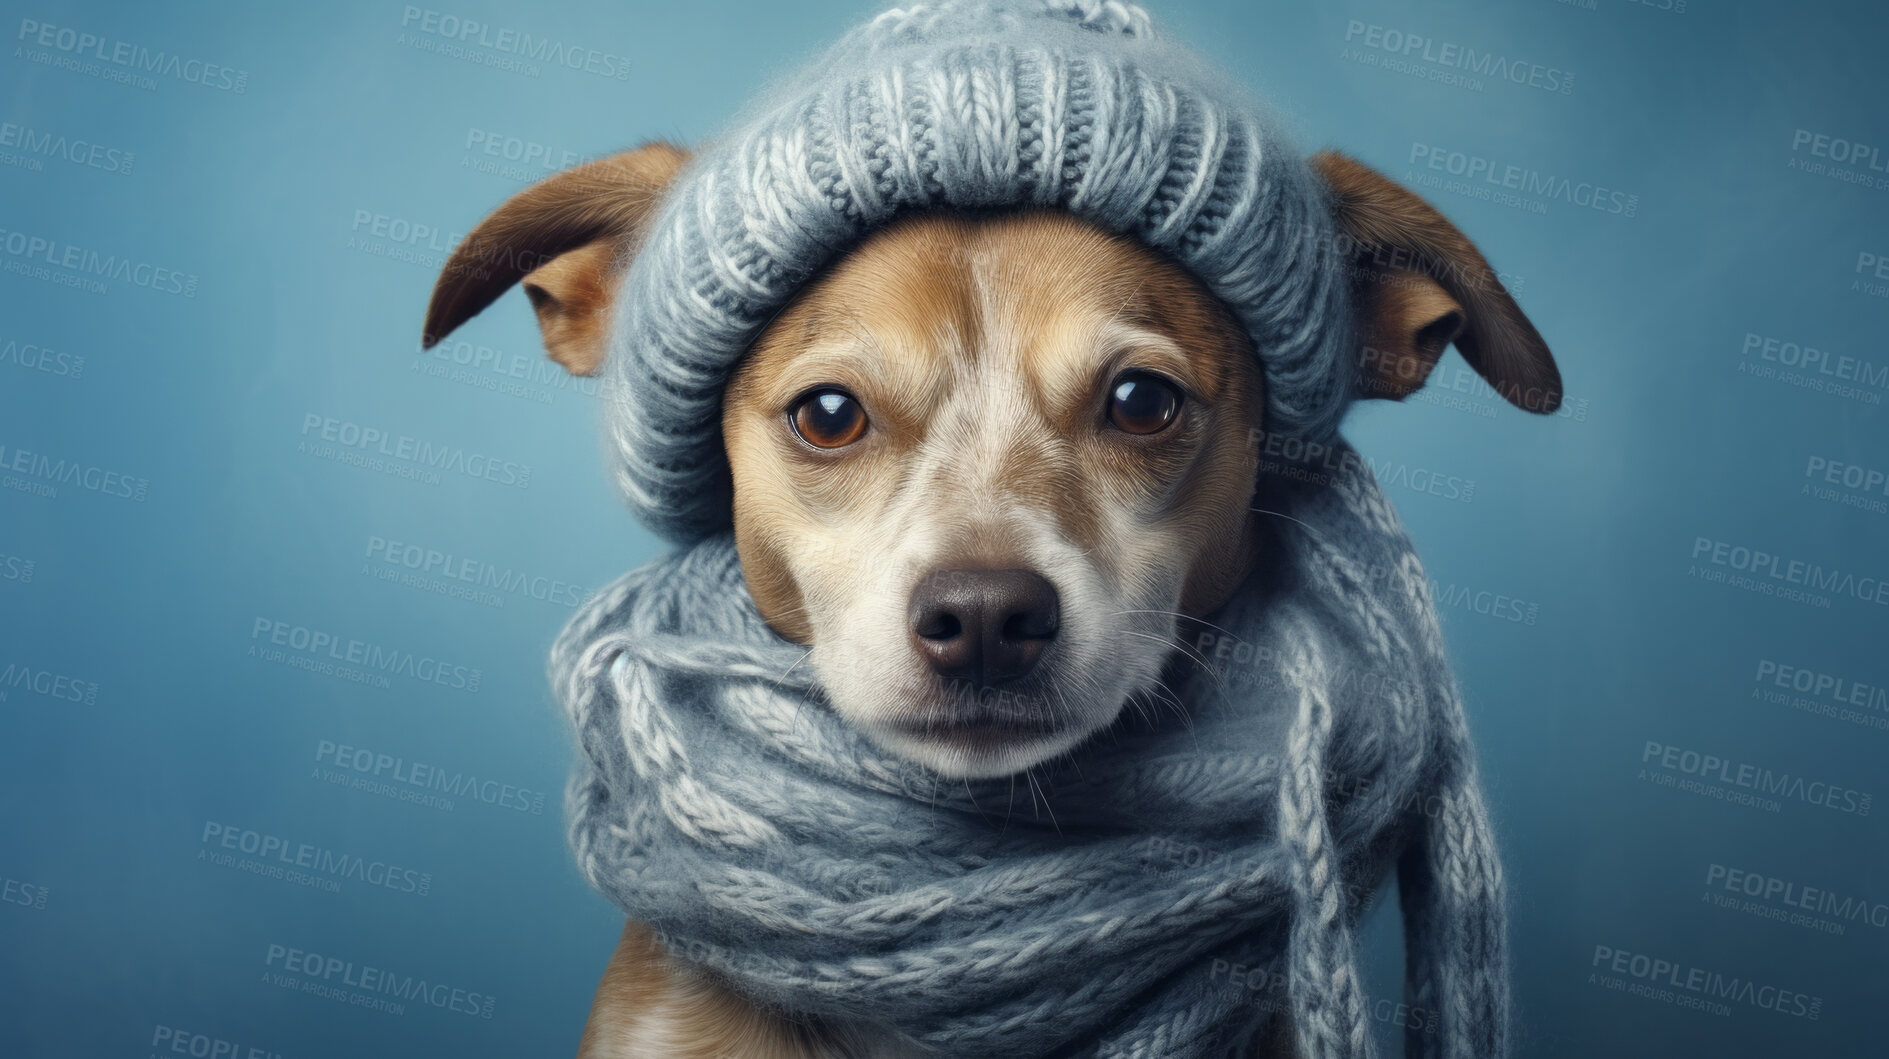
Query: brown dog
[972, 451]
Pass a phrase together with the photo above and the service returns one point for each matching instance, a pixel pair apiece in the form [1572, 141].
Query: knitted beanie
[1068, 104]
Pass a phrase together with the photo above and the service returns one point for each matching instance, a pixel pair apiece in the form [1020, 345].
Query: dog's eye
[828, 418]
[1143, 403]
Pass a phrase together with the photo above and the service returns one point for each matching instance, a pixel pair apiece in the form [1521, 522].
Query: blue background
[116, 927]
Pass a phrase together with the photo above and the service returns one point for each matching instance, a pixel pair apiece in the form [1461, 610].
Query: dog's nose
[986, 626]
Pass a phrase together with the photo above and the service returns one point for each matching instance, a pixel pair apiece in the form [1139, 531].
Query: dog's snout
[987, 626]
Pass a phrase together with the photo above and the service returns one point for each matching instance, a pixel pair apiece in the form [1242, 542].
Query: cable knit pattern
[1071, 104]
[1172, 888]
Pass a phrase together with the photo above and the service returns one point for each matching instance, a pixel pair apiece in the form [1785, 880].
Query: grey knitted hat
[1071, 104]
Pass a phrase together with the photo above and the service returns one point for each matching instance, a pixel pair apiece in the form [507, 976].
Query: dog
[973, 449]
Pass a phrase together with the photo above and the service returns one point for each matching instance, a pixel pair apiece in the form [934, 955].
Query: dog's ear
[1420, 284]
[568, 238]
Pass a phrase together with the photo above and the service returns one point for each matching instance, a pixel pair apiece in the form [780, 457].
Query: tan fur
[650, 1007]
[981, 347]
[568, 238]
[907, 317]
[1392, 230]
[983, 350]
[571, 295]
[1408, 320]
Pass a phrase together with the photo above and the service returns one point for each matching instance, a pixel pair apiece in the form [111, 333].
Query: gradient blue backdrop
[293, 202]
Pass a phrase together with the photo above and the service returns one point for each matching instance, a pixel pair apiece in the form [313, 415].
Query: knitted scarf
[1165, 891]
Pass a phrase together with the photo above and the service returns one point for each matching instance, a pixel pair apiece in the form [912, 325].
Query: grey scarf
[1165, 892]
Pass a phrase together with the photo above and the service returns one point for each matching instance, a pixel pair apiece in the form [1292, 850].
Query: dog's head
[984, 463]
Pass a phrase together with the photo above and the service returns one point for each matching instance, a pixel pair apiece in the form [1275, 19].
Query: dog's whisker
[1198, 659]
[1309, 528]
[1173, 614]
[1158, 687]
[1121, 310]
[1181, 647]
[808, 653]
[1140, 710]
[1185, 719]
[971, 796]
[800, 705]
[1036, 789]
[1180, 708]
[1159, 694]
[1069, 712]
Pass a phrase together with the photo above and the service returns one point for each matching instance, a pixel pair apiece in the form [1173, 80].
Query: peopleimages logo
[505, 41]
[28, 252]
[77, 45]
[377, 987]
[33, 144]
[1839, 158]
[1847, 484]
[1448, 379]
[1822, 694]
[1840, 690]
[32, 472]
[1487, 603]
[1738, 776]
[1810, 368]
[404, 232]
[402, 775]
[46, 683]
[22, 894]
[1792, 573]
[1523, 180]
[1874, 265]
[277, 857]
[1416, 47]
[1299, 460]
[174, 1040]
[1270, 990]
[1688, 986]
[526, 154]
[31, 357]
[371, 448]
[533, 377]
[16, 568]
[1839, 150]
[1791, 895]
[317, 646]
[425, 564]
